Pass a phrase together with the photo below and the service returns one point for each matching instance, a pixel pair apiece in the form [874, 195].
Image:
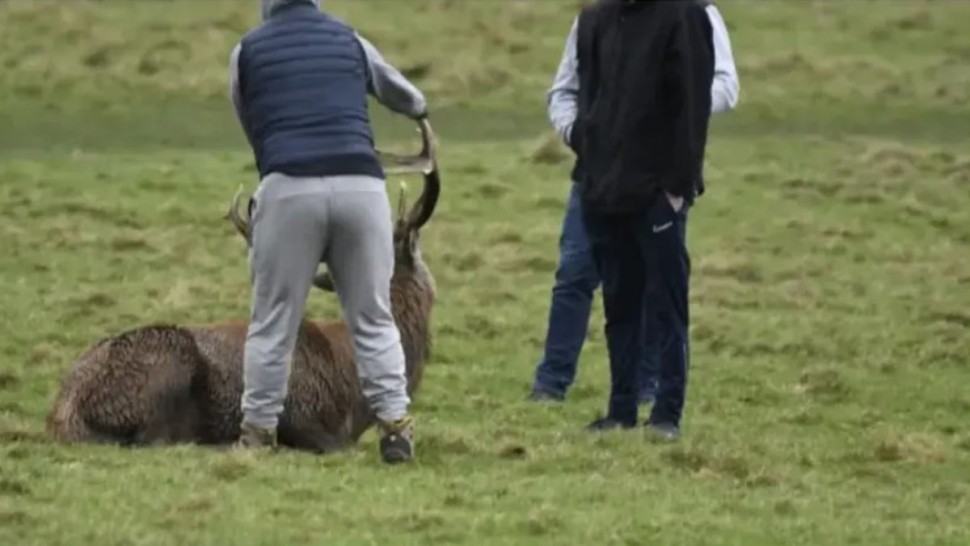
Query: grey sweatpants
[296, 224]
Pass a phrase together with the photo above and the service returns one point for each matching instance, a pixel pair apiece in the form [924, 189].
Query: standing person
[645, 70]
[576, 277]
[299, 84]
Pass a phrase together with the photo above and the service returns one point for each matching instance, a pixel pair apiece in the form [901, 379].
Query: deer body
[173, 384]
[166, 384]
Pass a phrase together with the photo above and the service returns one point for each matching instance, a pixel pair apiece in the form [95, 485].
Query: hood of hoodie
[268, 6]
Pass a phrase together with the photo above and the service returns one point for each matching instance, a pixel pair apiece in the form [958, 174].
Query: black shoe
[607, 423]
[397, 440]
[663, 431]
[544, 396]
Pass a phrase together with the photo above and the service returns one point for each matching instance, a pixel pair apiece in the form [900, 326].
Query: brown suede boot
[252, 437]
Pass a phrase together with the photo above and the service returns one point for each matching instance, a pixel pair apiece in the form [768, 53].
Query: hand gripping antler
[425, 162]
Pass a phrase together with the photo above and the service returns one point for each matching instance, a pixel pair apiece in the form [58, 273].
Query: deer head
[407, 254]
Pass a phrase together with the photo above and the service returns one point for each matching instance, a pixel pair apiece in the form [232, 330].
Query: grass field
[830, 301]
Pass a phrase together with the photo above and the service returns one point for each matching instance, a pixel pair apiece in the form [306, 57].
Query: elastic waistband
[283, 185]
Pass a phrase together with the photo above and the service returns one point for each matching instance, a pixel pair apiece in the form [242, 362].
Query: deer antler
[424, 162]
[425, 204]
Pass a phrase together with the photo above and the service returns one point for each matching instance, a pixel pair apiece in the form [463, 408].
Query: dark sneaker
[544, 396]
[607, 423]
[252, 437]
[663, 431]
[397, 440]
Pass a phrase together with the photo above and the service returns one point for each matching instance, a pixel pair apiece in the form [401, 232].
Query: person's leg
[360, 259]
[288, 238]
[650, 361]
[572, 295]
[621, 267]
[668, 272]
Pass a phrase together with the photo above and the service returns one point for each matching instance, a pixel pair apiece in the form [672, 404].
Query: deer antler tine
[401, 201]
[241, 225]
[429, 144]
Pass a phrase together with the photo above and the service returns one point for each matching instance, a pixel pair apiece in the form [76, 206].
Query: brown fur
[165, 384]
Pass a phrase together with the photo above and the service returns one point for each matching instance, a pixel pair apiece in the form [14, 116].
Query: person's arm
[389, 86]
[562, 100]
[689, 72]
[235, 95]
[725, 89]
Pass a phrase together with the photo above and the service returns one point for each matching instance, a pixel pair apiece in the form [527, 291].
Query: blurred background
[107, 73]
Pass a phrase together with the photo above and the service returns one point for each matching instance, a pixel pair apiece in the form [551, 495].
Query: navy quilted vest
[304, 92]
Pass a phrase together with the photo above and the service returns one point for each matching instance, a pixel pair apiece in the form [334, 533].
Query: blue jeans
[643, 260]
[572, 298]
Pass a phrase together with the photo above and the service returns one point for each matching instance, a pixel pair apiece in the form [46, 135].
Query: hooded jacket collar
[270, 7]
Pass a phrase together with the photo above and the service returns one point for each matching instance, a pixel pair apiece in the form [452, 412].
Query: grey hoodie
[385, 82]
[268, 5]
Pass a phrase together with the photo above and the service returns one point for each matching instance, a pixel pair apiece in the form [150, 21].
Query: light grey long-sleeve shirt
[384, 82]
[562, 99]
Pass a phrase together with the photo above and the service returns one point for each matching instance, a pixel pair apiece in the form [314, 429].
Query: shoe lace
[397, 427]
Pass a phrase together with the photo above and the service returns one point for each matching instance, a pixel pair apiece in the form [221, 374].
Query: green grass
[830, 301]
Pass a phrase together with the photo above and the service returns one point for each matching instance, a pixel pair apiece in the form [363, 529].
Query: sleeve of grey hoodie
[562, 100]
[234, 94]
[390, 87]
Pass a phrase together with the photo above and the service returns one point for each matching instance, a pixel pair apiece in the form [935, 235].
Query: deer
[164, 384]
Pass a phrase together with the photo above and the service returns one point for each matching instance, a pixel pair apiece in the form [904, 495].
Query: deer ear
[324, 281]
